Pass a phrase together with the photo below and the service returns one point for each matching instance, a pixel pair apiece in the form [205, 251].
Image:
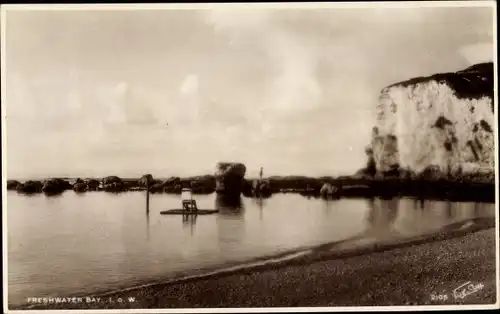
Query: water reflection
[260, 202]
[229, 205]
[147, 216]
[230, 224]
[381, 218]
[54, 194]
[385, 219]
[328, 205]
[189, 221]
[449, 210]
[418, 203]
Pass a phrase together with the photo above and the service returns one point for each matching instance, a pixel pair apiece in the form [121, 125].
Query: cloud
[189, 85]
[294, 86]
[289, 78]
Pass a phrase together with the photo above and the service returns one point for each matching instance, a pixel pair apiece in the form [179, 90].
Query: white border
[260, 5]
[295, 5]
[495, 97]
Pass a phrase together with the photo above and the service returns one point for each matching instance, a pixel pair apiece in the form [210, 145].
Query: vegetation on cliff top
[474, 82]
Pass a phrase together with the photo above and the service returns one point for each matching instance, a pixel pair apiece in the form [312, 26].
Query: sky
[173, 92]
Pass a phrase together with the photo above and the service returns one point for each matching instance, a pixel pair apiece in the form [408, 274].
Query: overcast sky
[90, 93]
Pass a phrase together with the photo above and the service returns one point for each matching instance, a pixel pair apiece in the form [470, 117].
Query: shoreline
[300, 257]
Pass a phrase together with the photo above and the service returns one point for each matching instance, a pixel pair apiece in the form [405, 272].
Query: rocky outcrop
[328, 190]
[175, 189]
[261, 188]
[111, 179]
[229, 178]
[370, 170]
[146, 181]
[86, 185]
[295, 184]
[113, 184]
[172, 181]
[80, 187]
[12, 184]
[171, 185]
[443, 121]
[30, 186]
[203, 184]
[247, 188]
[56, 186]
[92, 184]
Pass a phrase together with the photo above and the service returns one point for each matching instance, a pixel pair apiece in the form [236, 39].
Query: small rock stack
[229, 178]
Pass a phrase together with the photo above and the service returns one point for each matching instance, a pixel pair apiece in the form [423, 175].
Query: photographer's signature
[466, 289]
[460, 292]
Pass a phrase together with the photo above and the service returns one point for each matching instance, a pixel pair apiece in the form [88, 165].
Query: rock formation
[173, 181]
[261, 188]
[203, 184]
[92, 184]
[80, 187]
[443, 121]
[171, 185]
[112, 184]
[370, 170]
[12, 184]
[328, 190]
[229, 178]
[294, 183]
[30, 186]
[146, 181]
[56, 186]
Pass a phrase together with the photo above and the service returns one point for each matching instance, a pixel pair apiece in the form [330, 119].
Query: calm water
[82, 243]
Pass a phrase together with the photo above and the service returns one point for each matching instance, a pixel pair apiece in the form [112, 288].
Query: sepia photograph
[239, 157]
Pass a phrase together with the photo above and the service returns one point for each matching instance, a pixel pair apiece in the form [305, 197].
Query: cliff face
[445, 120]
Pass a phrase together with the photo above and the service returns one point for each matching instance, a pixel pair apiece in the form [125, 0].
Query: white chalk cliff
[445, 121]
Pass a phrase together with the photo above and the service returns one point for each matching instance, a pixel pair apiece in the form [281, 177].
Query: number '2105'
[439, 297]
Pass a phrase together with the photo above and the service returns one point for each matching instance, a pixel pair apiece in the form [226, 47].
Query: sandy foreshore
[410, 272]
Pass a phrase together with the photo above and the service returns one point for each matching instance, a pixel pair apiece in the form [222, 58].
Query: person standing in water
[261, 173]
